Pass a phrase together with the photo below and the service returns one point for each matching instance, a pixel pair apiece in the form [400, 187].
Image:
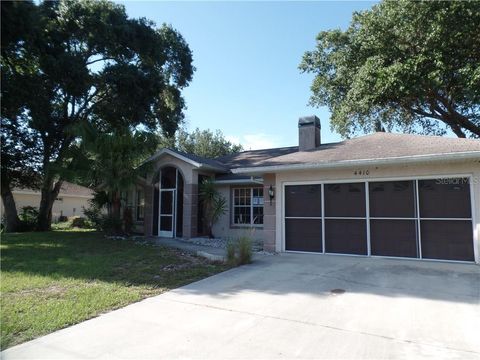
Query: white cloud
[255, 141]
[233, 139]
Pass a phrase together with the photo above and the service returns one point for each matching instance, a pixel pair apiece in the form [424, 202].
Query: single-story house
[383, 194]
[71, 200]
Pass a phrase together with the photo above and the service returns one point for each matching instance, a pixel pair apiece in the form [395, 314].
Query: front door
[167, 213]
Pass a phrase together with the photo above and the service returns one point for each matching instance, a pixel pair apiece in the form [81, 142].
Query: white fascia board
[470, 155]
[76, 196]
[239, 181]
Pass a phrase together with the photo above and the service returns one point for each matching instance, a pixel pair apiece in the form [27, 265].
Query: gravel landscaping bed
[218, 243]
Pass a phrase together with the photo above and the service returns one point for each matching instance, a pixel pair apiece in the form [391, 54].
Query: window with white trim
[248, 206]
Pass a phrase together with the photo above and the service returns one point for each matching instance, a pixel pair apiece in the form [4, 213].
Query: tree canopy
[206, 143]
[68, 62]
[409, 65]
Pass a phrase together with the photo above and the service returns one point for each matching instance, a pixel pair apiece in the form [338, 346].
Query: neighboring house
[383, 194]
[70, 201]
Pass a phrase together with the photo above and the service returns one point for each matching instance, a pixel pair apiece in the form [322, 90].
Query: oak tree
[68, 62]
[409, 65]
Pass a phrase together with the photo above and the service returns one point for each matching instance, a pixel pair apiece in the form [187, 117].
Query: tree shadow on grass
[91, 256]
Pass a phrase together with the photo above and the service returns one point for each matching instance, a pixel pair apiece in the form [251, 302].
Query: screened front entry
[168, 203]
[425, 218]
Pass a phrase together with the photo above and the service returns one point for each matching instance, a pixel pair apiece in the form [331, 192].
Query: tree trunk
[49, 193]
[11, 215]
[115, 214]
[210, 231]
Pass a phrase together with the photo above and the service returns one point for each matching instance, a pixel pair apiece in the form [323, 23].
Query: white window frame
[251, 206]
[366, 181]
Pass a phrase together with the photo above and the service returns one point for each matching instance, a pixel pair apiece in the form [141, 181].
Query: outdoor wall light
[271, 194]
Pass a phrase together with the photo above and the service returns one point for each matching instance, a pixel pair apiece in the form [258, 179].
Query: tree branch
[97, 60]
[458, 118]
[455, 128]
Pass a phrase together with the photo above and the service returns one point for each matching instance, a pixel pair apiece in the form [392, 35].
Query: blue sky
[247, 82]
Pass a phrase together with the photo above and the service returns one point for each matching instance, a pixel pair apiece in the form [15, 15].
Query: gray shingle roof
[254, 157]
[202, 160]
[379, 145]
[212, 163]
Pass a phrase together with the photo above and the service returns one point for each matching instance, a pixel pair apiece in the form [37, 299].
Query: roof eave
[470, 155]
[212, 168]
[60, 194]
[252, 180]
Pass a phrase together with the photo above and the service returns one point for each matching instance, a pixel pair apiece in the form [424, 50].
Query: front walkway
[290, 306]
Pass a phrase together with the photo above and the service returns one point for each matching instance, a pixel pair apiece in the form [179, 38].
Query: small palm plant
[111, 161]
[215, 205]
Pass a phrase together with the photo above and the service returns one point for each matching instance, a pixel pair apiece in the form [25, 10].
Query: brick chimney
[308, 133]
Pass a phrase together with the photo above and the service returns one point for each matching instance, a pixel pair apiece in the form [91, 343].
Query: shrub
[73, 222]
[111, 225]
[79, 222]
[28, 219]
[214, 204]
[62, 218]
[244, 250]
[94, 215]
[231, 250]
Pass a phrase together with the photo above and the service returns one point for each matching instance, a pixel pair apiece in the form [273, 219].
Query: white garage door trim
[366, 181]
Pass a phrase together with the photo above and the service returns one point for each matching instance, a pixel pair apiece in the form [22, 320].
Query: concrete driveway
[282, 307]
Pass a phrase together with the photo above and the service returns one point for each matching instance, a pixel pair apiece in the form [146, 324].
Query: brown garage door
[446, 219]
[303, 218]
[393, 223]
[429, 219]
[345, 219]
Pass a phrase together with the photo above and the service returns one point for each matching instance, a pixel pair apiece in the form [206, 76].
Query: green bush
[244, 250]
[231, 250]
[239, 252]
[95, 216]
[73, 222]
[79, 222]
[111, 225]
[28, 219]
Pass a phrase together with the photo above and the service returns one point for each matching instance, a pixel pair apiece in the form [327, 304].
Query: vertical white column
[367, 217]
[323, 217]
[417, 213]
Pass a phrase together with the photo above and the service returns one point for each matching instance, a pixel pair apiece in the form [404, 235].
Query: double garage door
[425, 219]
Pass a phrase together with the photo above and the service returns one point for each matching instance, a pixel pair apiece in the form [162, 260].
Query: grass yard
[56, 279]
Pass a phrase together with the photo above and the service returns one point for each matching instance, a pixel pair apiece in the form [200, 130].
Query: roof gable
[194, 160]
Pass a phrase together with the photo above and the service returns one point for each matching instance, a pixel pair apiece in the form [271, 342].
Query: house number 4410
[361, 172]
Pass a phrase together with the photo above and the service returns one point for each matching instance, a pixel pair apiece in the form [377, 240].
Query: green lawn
[56, 279]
